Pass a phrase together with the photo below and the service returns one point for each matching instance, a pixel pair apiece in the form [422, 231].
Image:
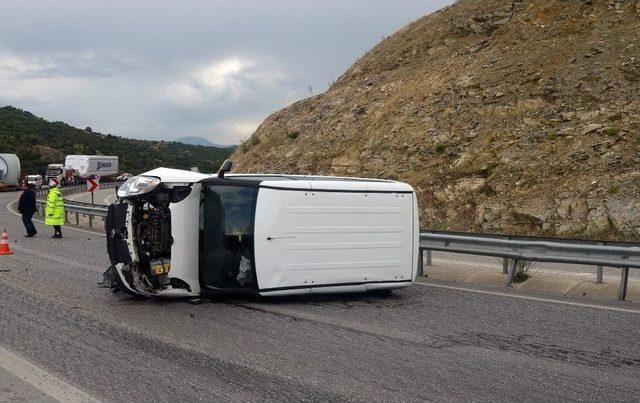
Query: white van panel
[284, 293]
[339, 185]
[310, 238]
[185, 227]
[288, 184]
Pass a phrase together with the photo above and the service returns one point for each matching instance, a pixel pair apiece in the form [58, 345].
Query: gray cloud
[160, 69]
[93, 64]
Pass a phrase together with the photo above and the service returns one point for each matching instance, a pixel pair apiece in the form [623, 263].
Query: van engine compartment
[139, 241]
[152, 241]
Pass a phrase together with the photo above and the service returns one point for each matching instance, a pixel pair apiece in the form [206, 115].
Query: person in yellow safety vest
[54, 211]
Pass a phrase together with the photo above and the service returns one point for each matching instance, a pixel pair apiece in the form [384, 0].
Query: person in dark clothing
[27, 207]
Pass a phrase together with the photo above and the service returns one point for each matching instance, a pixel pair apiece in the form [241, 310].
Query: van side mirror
[226, 167]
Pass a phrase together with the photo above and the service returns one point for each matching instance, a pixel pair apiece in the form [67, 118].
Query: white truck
[65, 175]
[9, 171]
[89, 166]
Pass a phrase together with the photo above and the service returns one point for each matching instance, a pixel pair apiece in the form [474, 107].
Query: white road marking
[504, 294]
[41, 379]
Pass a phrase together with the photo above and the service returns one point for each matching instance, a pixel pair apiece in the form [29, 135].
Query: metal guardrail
[597, 253]
[69, 190]
[79, 203]
[74, 210]
[624, 255]
[77, 209]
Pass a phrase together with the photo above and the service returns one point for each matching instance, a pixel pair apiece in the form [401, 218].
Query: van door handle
[270, 238]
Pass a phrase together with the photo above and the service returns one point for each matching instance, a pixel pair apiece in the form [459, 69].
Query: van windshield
[226, 237]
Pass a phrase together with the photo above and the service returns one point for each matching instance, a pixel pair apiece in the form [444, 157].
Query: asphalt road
[420, 343]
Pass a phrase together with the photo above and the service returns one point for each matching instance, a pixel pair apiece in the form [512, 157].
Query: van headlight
[138, 185]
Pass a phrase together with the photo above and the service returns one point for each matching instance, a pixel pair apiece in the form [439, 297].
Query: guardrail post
[90, 220]
[512, 273]
[429, 262]
[420, 262]
[599, 275]
[505, 265]
[77, 218]
[66, 216]
[599, 270]
[624, 280]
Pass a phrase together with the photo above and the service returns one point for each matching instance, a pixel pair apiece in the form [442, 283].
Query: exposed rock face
[506, 116]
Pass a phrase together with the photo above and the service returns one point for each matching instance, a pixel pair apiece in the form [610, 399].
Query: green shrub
[522, 271]
[293, 135]
[612, 131]
[488, 169]
[254, 141]
[440, 148]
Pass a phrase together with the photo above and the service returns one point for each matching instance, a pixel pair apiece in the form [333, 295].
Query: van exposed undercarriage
[139, 242]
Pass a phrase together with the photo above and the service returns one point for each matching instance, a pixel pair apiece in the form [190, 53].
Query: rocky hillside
[520, 117]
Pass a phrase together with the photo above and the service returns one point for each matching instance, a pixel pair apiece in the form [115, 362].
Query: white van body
[88, 166]
[294, 235]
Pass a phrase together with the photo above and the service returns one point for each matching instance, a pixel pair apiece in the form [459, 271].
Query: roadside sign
[54, 182]
[93, 185]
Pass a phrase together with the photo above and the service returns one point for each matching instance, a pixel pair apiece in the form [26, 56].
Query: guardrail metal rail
[624, 255]
[510, 248]
[69, 190]
[75, 208]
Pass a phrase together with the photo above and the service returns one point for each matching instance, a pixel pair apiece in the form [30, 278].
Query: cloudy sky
[163, 70]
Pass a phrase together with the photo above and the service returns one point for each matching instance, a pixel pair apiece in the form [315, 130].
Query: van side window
[227, 214]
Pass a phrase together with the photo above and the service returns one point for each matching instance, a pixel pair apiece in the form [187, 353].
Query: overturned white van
[181, 233]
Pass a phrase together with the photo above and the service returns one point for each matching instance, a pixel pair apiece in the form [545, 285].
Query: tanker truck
[9, 171]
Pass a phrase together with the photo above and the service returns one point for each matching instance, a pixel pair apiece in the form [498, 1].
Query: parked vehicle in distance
[35, 180]
[66, 175]
[124, 176]
[9, 171]
[89, 166]
[180, 233]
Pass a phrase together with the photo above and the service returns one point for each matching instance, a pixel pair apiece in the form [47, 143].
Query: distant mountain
[200, 141]
[38, 143]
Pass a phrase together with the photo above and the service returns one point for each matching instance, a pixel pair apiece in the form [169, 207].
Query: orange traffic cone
[4, 243]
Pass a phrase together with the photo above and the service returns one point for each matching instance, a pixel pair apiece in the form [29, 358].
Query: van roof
[285, 177]
[288, 182]
[323, 183]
